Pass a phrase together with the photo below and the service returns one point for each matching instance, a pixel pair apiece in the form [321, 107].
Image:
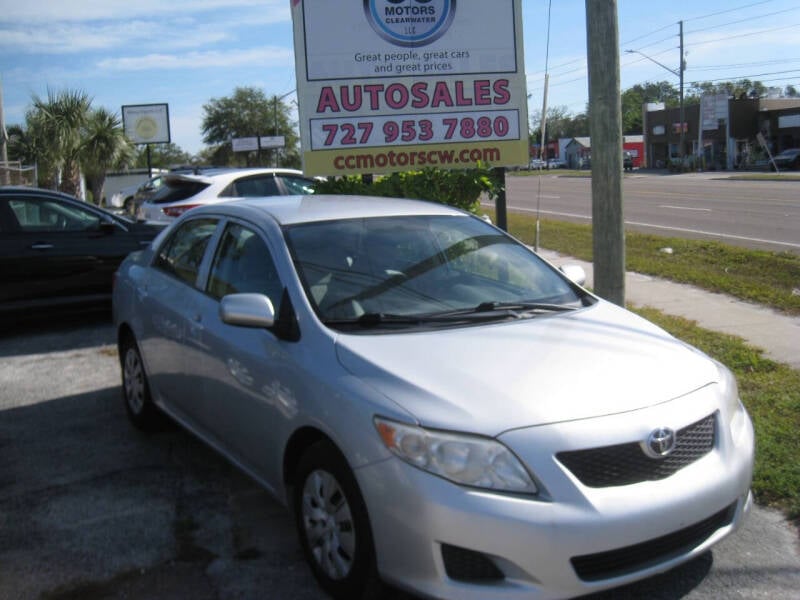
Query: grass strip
[771, 393]
[768, 278]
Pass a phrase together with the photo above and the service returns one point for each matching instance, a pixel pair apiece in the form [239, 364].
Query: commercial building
[720, 132]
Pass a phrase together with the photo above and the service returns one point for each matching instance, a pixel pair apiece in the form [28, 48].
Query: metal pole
[682, 67]
[275, 115]
[500, 208]
[541, 158]
[4, 142]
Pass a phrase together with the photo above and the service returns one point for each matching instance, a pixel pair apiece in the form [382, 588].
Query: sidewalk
[777, 334]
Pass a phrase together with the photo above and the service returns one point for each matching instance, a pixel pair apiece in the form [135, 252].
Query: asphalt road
[753, 214]
[92, 509]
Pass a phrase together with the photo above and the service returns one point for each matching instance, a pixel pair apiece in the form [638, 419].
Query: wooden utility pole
[605, 127]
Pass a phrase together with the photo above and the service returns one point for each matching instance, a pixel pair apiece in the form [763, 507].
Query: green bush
[459, 188]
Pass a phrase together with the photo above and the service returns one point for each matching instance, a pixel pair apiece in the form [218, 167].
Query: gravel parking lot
[91, 508]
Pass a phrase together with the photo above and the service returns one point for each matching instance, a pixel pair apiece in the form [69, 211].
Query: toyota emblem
[660, 443]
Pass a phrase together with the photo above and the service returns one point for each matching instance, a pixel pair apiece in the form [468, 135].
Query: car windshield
[409, 270]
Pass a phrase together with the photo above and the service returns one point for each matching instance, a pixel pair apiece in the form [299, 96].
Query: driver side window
[42, 215]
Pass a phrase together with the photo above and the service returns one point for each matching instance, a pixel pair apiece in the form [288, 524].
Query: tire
[333, 525]
[136, 390]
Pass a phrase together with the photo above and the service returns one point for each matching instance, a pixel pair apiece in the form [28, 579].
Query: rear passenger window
[181, 254]
[250, 187]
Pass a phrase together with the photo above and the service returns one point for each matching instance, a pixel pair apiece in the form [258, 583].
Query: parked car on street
[183, 191]
[57, 251]
[627, 161]
[441, 408]
[787, 160]
[538, 163]
[556, 163]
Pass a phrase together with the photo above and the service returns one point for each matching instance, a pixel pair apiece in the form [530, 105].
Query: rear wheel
[135, 389]
[333, 525]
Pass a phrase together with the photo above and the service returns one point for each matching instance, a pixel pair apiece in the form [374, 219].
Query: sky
[188, 52]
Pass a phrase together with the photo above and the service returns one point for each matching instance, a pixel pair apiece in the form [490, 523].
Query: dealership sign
[146, 123]
[397, 85]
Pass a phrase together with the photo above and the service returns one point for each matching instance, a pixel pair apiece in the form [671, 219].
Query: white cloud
[48, 11]
[258, 57]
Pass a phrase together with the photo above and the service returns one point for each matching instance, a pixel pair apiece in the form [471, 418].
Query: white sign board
[396, 85]
[247, 144]
[272, 141]
[713, 109]
[146, 123]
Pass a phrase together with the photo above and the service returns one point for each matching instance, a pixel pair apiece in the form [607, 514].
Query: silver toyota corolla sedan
[438, 406]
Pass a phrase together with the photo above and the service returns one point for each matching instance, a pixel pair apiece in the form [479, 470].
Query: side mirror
[574, 273]
[247, 310]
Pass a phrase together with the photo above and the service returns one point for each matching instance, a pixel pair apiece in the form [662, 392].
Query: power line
[745, 20]
[747, 64]
[741, 35]
[740, 77]
[722, 12]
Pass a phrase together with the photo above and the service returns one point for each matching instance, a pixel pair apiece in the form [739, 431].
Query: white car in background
[181, 192]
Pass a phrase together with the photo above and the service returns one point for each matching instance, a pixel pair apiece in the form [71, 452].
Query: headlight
[463, 459]
[729, 390]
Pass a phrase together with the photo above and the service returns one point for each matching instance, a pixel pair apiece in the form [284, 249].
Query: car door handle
[42, 246]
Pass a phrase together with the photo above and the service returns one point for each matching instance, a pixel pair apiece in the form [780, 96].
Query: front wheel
[333, 525]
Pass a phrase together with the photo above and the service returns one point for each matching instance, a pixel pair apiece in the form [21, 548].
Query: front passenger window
[243, 265]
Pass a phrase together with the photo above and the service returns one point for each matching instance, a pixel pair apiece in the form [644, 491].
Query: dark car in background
[57, 251]
[788, 159]
[627, 161]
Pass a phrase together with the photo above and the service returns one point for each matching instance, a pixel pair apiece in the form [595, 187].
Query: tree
[560, 124]
[742, 88]
[248, 113]
[104, 146]
[162, 156]
[56, 126]
[636, 96]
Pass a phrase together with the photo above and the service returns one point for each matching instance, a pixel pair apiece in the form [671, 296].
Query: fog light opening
[462, 564]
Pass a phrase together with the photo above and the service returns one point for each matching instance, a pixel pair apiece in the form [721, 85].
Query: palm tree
[57, 125]
[103, 147]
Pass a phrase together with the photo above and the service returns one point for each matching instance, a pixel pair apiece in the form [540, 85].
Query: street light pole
[275, 100]
[679, 74]
[682, 68]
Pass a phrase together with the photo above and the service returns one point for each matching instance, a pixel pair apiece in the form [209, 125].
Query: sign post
[399, 85]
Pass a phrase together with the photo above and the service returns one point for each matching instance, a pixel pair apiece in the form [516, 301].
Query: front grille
[626, 464]
[467, 565]
[605, 565]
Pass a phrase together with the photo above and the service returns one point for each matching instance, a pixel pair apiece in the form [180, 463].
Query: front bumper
[533, 542]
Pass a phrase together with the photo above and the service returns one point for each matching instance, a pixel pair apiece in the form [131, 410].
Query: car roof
[226, 175]
[292, 210]
[17, 190]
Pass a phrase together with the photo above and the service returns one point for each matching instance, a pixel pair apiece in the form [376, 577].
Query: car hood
[490, 378]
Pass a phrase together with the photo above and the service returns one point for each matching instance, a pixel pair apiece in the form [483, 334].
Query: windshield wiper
[483, 311]
[508, 307]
